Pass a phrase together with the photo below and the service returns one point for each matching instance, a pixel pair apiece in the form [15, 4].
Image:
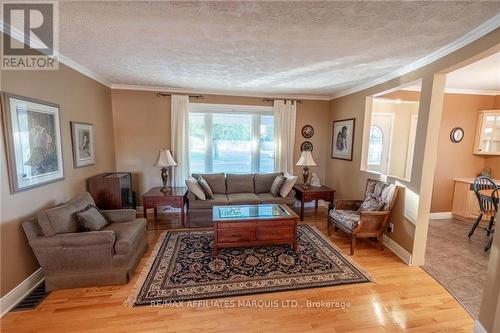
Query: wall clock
[307, 131]
[457, 134]
[306, 145]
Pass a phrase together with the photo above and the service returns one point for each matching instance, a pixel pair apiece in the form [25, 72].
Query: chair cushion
[269, 198]
[216, 181]
[90, 218]
[126, 234]
[239, 183]
[59, 220]
[218, 200]
[347, 218]
[370, 205]
[243, 199]
[263, 181]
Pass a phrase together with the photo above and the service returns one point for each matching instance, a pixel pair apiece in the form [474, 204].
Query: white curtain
[284, 134]
[179, 118]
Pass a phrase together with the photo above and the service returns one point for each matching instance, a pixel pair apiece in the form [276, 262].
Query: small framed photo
[343, 139]
[32, 142]
[82, 135]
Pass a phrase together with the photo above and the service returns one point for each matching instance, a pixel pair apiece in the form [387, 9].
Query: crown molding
[16, 34]
[468, 38]
[460, 91]
[217, 92]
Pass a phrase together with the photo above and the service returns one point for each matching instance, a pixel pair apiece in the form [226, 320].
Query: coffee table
[254, 225]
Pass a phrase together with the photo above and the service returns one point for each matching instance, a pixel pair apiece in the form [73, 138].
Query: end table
[306, 193]
[175, 197]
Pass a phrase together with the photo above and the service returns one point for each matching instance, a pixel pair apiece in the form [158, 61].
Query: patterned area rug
[182, 268]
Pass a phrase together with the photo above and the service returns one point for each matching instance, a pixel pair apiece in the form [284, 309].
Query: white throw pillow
[276, 186]
[287, 185]
[195, 188]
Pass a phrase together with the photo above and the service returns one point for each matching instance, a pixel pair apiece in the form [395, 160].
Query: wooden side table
[306, 193]
[175, 197]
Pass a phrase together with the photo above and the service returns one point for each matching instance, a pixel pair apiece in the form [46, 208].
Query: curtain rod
[298, 101]
[161, 94]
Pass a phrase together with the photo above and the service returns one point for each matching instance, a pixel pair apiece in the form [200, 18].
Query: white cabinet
[488, 133]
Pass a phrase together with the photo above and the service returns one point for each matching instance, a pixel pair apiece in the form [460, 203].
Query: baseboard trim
[478, 328]
[9, 300]
[397, 250]
[440, 216]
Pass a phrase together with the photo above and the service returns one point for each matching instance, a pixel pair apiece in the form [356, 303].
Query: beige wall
[80, 99]
[142, 126]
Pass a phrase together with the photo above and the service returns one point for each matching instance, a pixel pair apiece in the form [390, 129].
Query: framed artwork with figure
[82, 135]
[32, 142]
[343, 139]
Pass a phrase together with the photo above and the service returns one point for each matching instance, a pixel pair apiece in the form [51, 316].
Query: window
[233, 139]
[376, 146]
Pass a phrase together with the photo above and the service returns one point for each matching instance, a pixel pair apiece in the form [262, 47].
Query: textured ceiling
[481, 75]
[317, 48]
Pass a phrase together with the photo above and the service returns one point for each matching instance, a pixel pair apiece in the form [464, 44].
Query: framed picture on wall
[343, 139]
[82, 136]
[33, 142]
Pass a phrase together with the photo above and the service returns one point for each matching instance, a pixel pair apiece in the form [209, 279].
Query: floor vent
[31, 301]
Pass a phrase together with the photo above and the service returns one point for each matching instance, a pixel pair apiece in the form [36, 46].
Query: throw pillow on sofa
[195, 188]
[277, 184]
[287, 185]
[91, 218]
[206, 188]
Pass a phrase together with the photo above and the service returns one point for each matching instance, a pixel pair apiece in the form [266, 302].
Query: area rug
[182, 268]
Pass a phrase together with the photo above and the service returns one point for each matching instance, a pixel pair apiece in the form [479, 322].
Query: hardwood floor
[401, 299]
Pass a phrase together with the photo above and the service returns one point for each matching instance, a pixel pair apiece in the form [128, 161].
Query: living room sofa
[234, 189]
[72, 258]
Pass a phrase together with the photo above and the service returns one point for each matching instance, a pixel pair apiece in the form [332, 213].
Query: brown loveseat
[73, 258]
[234, 189]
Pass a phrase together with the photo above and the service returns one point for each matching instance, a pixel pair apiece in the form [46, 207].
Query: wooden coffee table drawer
[274, 233]
[235, 235]
[232, 225]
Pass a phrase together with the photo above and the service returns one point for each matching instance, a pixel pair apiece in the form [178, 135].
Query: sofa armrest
[120, 215]
[343, 204]
[103, 238]
[291, 194]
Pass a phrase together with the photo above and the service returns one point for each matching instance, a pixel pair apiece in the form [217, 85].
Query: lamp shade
[165, 159]
[306, 159]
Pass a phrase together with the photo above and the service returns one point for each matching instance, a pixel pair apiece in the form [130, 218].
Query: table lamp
[164, 161]
[306, 160]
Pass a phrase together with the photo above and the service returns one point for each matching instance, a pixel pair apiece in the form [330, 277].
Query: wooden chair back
[488, 204]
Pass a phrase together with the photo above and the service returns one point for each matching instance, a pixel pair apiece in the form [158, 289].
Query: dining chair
[496, 202]
[485, 189]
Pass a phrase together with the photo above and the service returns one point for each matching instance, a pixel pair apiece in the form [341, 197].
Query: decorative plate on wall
[307, 131]
[457, 134]
[306, 145]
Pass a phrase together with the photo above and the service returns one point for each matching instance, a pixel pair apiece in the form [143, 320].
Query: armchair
[73, 258]
[352, 219]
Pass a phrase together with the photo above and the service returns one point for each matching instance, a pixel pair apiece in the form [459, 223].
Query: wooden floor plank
[400, 299]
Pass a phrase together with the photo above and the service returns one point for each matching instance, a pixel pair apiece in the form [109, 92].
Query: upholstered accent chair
[365, 218]
[71, 257]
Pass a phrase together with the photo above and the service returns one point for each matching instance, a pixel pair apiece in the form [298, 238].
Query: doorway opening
[468, 147]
